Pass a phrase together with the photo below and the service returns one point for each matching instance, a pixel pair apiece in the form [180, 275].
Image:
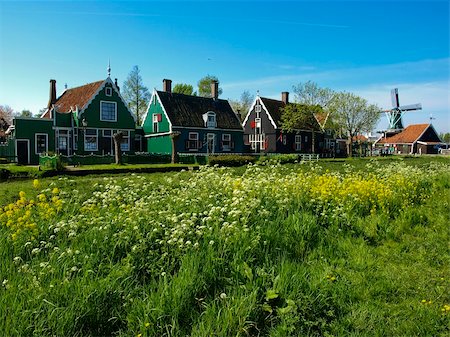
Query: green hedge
[231, 160]
[193, 159]
[280, 159]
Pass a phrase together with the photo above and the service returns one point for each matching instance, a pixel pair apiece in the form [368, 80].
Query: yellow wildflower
[36, 183]
[22, 194]
[55, 190]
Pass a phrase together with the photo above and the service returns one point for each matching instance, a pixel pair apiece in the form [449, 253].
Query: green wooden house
[80, 121]
[202, 124]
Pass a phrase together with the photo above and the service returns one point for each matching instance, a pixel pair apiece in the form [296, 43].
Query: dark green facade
[83, 130]
[191, 139]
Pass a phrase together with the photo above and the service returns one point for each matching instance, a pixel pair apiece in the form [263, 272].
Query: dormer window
[108, 91]
[210, 119]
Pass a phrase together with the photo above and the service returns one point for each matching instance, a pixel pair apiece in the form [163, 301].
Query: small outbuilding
[414, 139]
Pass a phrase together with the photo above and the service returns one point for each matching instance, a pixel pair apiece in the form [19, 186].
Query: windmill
[395, 114]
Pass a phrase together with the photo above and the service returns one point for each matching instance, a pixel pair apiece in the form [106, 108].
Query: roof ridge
[80, 86]
[195, 96]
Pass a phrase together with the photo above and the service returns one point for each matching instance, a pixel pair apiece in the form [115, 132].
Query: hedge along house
[81, 120]
[202, 124]
[414, 139]
[263, 130]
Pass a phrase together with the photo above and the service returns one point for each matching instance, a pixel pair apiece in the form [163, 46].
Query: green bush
[231, 160]
[279, 159]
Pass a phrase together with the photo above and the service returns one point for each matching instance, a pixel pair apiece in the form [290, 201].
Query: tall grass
[301, 250]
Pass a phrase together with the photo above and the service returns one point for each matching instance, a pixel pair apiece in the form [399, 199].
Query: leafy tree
[309, 93]
[301, 116]
[243, 104]
[6, 114]
[204, 86]
[445, 137]
[353, 115]
[136, 94]
[183, 88]
[25, 113]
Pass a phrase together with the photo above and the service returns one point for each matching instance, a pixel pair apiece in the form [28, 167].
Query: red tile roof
[408, 136]
[79, 96]
[360, 138]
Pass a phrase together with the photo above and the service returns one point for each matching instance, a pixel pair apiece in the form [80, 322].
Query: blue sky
[364, 47]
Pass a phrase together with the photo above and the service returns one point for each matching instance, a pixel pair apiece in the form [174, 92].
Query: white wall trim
[265, 109]
[29, 150]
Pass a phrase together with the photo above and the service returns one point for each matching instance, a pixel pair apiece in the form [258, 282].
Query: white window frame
[125, 141]
[284, 139]
[36, 142]
[115, 109]
[258, 108]
[298, 142]
[108, 91]
[226, 147]
[193, 136]
[258, 138]
[155, 123]
[213, 123]
[90, 136]
[107, 136]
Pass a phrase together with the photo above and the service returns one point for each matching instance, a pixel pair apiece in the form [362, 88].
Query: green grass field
[334, 248]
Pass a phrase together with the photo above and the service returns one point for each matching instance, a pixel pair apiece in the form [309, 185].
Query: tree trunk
[174, 136]
[349, 148]
[118, 152]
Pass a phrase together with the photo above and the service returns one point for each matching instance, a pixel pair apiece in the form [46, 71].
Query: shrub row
[231, 160]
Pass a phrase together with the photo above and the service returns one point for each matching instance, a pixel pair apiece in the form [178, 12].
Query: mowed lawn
[334, 248]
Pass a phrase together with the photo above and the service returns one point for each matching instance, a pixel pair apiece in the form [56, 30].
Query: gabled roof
[187, 111]
[273, 108]
[78, 96]
[75, 97]
[409, 135]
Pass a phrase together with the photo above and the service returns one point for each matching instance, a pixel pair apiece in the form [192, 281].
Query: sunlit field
[299, 250]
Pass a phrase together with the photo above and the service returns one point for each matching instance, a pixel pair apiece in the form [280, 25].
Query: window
[107, 133]
[192, 143]
[258, 108]
[210, 119]
[108, 111]
[90, 140]
[108, 91]
[41, 143]
[298, 142]
[125, 143]
[257, 141]
[258, 125]
[62, 143]
[156, 119]
[226, 142]
[306, 139]
[284, 139]
[62, 140]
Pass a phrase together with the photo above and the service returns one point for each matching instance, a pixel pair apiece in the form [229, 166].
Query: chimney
[167, 85]
[52, 98]
[238, 115]
[115, 83]
[285, 97]
[215, 89]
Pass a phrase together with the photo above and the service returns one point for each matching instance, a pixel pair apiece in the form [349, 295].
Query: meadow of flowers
[274, 251]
